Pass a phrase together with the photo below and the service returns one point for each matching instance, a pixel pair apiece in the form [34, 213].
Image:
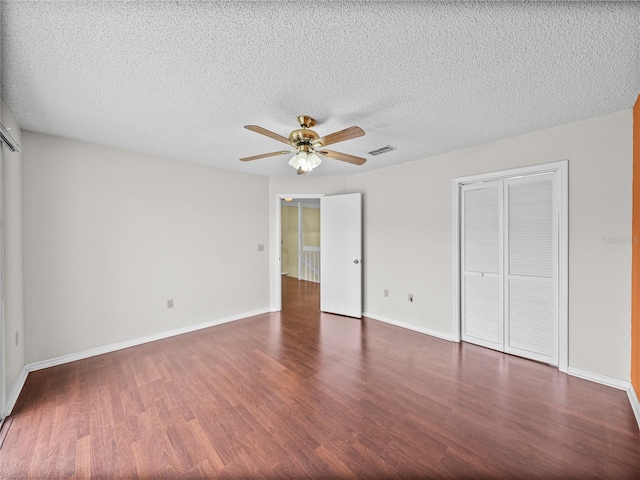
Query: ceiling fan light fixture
[309, 146]
[305, 161]
[313, 160]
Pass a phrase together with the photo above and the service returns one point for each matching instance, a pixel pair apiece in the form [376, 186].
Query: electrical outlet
[411, 298]
[261, 247]
[386, 292]
[170, 303]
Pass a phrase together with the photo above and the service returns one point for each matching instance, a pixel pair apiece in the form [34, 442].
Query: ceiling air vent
[382, 150]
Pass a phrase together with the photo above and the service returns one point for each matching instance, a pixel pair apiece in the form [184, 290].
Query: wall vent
[382, 150]
[6, 137]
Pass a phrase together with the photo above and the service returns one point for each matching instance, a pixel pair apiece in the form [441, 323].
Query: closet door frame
[560, 168]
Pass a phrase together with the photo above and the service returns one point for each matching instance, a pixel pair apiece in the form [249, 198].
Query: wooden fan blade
[268, 133]
[344, 157]
[341, 136]
[264, 155]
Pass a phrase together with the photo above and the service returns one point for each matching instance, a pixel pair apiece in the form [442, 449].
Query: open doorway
[341, 255]
[300, 239]
[296, 263]
[300, 253]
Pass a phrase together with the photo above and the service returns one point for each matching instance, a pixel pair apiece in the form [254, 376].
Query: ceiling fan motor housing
[308, 142]
[303, 136]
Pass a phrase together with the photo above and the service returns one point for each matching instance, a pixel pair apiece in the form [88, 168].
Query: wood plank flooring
[300, 394]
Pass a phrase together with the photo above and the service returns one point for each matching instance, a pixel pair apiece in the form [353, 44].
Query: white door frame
[3, 333]
[562, 169]
[277, 274]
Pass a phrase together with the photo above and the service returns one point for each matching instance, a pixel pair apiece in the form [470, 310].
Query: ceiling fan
[308, 145]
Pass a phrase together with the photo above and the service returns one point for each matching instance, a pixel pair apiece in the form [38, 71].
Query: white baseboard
[611, 382]
[596, 377]
[635, 404]
[576, 372]
[32, 367]
[14, 393]
[408, 326]
[16, 388]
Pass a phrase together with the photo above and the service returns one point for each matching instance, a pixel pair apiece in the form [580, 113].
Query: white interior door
[341, 262]
[481, 264]
[531, 267]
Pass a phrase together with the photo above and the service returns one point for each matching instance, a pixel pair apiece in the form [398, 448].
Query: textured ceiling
[180, 79]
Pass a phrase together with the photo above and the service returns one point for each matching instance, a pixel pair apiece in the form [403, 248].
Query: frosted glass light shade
[305, 161]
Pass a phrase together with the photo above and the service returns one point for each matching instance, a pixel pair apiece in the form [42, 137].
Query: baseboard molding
[426, 331]
[32, 367]
[14, 393]
[576, 372]
[635, 404]
[611, 382]
[596, 377]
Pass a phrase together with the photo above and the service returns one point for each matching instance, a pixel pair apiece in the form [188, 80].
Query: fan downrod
[306, 121]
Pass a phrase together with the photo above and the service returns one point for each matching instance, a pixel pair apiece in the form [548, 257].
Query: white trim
[563, 266]
[575, 372]
[4, 394]
[635, 404]
[562, 168]
[512, 172]
[14, 393]
[598, 378]
[456, 333]
[32, 367]
[610, 382]
[408, 326]
[276, 275]
[300, 240]
[72, 357]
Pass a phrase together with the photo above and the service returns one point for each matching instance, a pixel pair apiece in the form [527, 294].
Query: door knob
[356, 261]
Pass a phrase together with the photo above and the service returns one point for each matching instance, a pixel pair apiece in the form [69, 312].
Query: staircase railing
[310, 265]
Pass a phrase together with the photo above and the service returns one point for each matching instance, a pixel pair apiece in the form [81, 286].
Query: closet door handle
[475, 274]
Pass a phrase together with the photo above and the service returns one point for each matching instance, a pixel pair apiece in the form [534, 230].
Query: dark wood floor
[301, 394]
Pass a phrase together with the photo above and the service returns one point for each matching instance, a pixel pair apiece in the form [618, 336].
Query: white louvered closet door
[531, 263]
[481, 262]
[509, 266]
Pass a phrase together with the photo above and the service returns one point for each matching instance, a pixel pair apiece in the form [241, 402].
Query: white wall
[408, 243]
[111, 235]
[12, 258]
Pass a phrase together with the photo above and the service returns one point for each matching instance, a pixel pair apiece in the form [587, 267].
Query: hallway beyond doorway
[300, 295]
